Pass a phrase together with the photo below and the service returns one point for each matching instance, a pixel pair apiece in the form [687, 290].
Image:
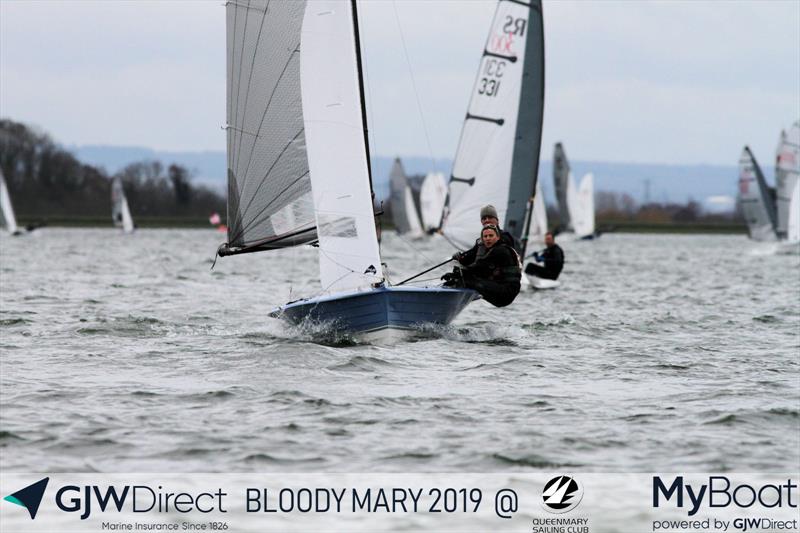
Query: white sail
[348, 246]
[7, 210]
[583, 214]
[120, 213]
[432, 196]
[539, 214]
[498, 153]
[269, 189]
[787, 174]
[755, 199]
[404, 212]
[415, 226]
[793, 222]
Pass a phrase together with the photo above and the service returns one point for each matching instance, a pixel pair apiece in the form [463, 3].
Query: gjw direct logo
[30, 497]
[561, 494]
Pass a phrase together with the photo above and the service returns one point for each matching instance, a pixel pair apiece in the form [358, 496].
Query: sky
[671, 82]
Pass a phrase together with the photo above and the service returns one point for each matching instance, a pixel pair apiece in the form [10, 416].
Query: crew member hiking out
[495, 274]
[552, 257]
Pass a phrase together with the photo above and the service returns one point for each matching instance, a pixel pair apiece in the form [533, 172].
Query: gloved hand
[537, 257]
[457, 256]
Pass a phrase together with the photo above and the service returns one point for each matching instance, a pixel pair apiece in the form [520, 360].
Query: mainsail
[539, 217]
[337, 152]
[755, 198]
[581, 206]
[793, 224]
[787, 174]
[562, 176]
[497, 159]
[404, 212]
[432, 196]
[120, 213]
[7, 210]
[269, 187]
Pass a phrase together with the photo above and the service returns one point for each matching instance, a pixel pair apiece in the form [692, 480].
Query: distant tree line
[45, 180]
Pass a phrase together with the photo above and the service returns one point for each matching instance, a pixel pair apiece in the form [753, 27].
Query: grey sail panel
[269, 189]
[398, 190]
[755, 198]
[561, 177]
[528, 140]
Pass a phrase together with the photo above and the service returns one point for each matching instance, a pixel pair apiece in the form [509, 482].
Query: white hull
[541, 284]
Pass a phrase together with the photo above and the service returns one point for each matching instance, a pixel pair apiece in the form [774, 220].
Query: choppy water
[127, 353]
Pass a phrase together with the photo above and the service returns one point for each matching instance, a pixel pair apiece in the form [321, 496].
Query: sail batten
[498, 152]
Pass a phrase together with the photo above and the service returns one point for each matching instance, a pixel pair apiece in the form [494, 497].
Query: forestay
[404, 212]
[432, 196]
[269, 188]
[562, 177]
[755, 198]
[787, 174]
[6, 208]
[337, 152]
[120, 212]
[498, 153]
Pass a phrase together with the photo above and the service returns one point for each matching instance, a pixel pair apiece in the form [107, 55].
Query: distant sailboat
[539, 214]
[120, 212]
[497, 159]
[787, 174]
[298, 165]
[432, 196]
[575, 202]
[756, 199]
[10, 221]
[404, 212]
[792, 242]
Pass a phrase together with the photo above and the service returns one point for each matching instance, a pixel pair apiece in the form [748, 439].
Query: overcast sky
[659, 82]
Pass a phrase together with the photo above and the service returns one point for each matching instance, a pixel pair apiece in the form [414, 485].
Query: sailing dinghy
[791, 244]
[787, 174]
[9, 220]
[404, 212]
[497, 159]
[756, 199]
[120, 212]
[298, 165]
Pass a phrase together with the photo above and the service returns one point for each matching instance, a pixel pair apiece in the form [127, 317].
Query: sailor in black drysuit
[552, 257]
[495, 274]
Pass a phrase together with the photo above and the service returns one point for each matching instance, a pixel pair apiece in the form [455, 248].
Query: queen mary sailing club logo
[561, 494]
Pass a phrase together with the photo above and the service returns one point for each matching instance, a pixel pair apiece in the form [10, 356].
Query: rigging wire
[414, 85]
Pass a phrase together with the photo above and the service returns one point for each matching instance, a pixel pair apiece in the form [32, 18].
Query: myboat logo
[30, 497]
[561, 494]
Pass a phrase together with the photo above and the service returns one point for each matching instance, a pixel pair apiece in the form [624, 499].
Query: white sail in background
[539, 214]
[787, 174]
[755, 199]
[9, 219]
[404, 212]
[269, 188]
[582, 207]
[432, 196]
[120, 212]
[562, 177]
[793, 222]
[348, 245]
[498, 153]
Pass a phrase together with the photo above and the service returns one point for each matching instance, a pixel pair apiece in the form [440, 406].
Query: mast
[354, 3]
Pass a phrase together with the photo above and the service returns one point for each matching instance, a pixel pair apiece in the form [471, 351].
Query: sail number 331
[489, 84]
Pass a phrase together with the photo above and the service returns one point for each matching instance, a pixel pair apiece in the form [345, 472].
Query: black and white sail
[787, 174]
[497, 159]
[562, 180]
[269, 187]
[755, 198]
